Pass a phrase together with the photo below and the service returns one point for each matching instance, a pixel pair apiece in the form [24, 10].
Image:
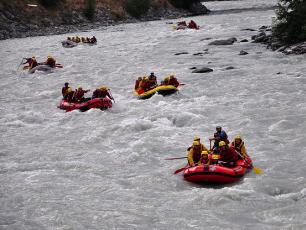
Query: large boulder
[229, 41]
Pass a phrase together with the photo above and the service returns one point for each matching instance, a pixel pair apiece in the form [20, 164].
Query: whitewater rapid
[106, 169]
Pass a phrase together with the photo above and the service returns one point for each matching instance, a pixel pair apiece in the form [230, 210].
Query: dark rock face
[202, 70]
[229, 41]
[197, 8]
[242, 52]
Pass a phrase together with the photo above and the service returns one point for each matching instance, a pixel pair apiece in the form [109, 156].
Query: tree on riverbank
[290, 26]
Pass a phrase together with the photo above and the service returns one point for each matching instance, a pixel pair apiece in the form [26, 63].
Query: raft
[69, 44]
[218, 173]
[97, 103]
[166, 89]
[162, 90]
[43, 68]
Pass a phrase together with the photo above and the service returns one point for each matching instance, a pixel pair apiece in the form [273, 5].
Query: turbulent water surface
[106, 169]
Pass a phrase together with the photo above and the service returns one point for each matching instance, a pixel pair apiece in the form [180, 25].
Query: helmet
[103, 87]
[196, 138]
[79, 87]
[204, 153]
[140, 78]
[221, 143]
[218, 127]
[195, 143]
[215, 157]
[145, 78]
[66, 83]
[49, 56]
[69, 89]
[238, 137]
[152, 73]
[171, 76]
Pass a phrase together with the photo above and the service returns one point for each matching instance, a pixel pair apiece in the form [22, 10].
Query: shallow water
[106, 170]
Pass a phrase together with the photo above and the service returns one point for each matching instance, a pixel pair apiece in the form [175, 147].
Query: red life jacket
[228, 155]
[78, 95]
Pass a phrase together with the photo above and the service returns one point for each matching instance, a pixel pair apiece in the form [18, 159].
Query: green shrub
[290, 25]
[136, 8]
[89, 10]
[49, 3]
[183, 4]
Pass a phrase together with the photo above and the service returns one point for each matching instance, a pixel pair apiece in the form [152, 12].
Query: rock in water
[229, 41]
[242, 52]
[202, 70]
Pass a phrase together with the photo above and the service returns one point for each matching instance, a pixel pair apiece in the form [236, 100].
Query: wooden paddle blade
[257, 170]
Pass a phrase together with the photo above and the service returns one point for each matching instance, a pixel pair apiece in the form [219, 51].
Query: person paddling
[228, 155]
[78, 95]
[65, 89]
[32, 63]
[51, 62]
[102, 92]
[239, 146]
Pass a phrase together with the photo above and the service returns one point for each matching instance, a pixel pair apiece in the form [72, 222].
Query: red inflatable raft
[98, 103]
[218, 173]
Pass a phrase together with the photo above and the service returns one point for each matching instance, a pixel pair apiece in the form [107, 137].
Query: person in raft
[214, 159]
[50, 62]
[93, 39]
[173, 81]
[194, 153]
[220, 135]
[137, 83]
[65, 89]
[69, 95]
[152, 81]
[205, 158]
[78, 95]
[193, 25]
[228, 155]
[238, 145]
[32, 63]
[144, 84]
[102, 92]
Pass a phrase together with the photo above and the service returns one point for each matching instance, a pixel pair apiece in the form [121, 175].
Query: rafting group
[146, 87]
[32, 65]
[75, 99]
[74, 41]
[77, 39]
[182, 25]
[224, 162]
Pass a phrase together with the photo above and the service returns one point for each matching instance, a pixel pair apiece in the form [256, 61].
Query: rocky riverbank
[20, 19]
[264, 36]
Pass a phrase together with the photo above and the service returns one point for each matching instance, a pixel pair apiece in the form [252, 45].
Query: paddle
[175, 158]
[111, 95]
[20, 63]
[255, 169]
[181, 169]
